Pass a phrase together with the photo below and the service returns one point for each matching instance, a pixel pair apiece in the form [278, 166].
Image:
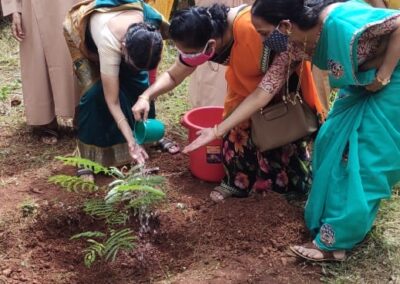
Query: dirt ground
[196, 241]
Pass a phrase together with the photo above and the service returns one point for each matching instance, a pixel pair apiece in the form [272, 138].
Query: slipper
[219, 194]
[85, 174]
[167, 145]
[47, 136]
[326, 255]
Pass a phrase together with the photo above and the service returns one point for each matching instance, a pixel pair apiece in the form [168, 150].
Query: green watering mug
[151, 130]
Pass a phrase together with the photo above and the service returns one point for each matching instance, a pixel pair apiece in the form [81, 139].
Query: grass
[171, 107]
[377, 260]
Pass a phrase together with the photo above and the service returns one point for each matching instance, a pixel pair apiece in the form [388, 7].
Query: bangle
[216, 132]
[383, 82]
[144, 98]
[120, 120]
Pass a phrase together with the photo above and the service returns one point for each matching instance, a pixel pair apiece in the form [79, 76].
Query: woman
[222, 35]
[356, 156]
[119, 44]
[356, 159]
[207, 85]
[48, 84]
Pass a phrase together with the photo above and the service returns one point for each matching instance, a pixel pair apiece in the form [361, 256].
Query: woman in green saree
[356, 156]
[356, 159]
[113, 43]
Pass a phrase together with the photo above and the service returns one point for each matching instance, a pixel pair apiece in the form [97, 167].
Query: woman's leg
[240, 162]
[284, 169]
[356, 169]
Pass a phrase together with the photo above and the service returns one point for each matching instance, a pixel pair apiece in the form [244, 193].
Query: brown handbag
[282, 123]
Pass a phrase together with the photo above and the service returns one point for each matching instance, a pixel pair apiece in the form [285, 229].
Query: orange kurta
[244, 71]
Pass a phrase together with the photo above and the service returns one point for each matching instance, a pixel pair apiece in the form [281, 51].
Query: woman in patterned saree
[113, 43]
[226, 36]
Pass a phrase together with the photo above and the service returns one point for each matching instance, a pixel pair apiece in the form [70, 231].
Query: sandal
[219, 194]
[338, 255]
[167, 145]
[47, 136]
[85, 174]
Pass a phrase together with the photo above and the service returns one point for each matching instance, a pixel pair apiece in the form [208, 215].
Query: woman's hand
[375, 86]
[378, 83]
[141, 109]
[16, 27]
[138, 153]
[205, 136]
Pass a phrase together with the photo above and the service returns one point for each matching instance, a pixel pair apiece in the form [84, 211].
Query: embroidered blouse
[368, 45]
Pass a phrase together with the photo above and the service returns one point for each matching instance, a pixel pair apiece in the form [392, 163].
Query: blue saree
[99, 138]
[356, 158]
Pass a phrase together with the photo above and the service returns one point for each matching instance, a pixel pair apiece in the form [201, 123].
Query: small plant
[29, 208]
[131, 193]
[6, 90]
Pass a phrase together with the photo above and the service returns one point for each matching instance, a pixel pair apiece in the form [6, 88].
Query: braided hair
[144, 46]
[196, 25]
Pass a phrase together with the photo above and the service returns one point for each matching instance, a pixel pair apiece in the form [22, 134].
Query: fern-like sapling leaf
[73, 184]
[120, 240]
[84, 163]
[88, 234]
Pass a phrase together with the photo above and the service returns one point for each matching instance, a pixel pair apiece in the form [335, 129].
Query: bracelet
[144, 98]
[216, 132]
[120, 120]
[383, 82]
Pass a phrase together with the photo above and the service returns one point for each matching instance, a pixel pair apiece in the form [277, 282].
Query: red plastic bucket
[205, 162]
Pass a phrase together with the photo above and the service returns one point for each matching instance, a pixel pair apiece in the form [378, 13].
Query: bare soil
[193, 240]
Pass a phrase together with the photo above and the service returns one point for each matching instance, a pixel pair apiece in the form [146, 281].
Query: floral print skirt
[283, 169]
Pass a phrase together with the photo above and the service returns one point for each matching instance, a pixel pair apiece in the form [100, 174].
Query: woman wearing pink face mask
[226, 35]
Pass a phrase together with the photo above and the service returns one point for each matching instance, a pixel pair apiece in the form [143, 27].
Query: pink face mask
[197, 59]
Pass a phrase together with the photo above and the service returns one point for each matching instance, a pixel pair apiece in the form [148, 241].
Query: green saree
[99, 138]
[356, 158]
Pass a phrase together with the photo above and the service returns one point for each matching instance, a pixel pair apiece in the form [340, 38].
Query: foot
[85, 174]
[48, 133]
[310, 251]
[167, 145]
[219, 194]
[48, 136]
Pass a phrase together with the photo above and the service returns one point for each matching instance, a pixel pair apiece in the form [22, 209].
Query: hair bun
[150, 27]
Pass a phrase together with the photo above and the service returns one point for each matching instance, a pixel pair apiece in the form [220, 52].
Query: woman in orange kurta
[207, 85]
[227, 36]
[48, 83]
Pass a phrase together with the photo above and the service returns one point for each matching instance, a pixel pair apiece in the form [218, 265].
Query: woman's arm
[14, 8]
[164, 83]
[390, 60]
[270, 85]
[111, 95]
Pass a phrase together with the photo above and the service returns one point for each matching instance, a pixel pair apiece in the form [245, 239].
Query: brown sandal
[326, 255]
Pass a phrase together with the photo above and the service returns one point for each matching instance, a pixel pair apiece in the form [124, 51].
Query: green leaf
[84, 163]
[73, 184]
[88, 234]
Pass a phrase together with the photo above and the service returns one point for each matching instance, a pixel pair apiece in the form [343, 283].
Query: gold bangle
[383, 82]
[216, 132]
[120, 120]
[144, 98]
